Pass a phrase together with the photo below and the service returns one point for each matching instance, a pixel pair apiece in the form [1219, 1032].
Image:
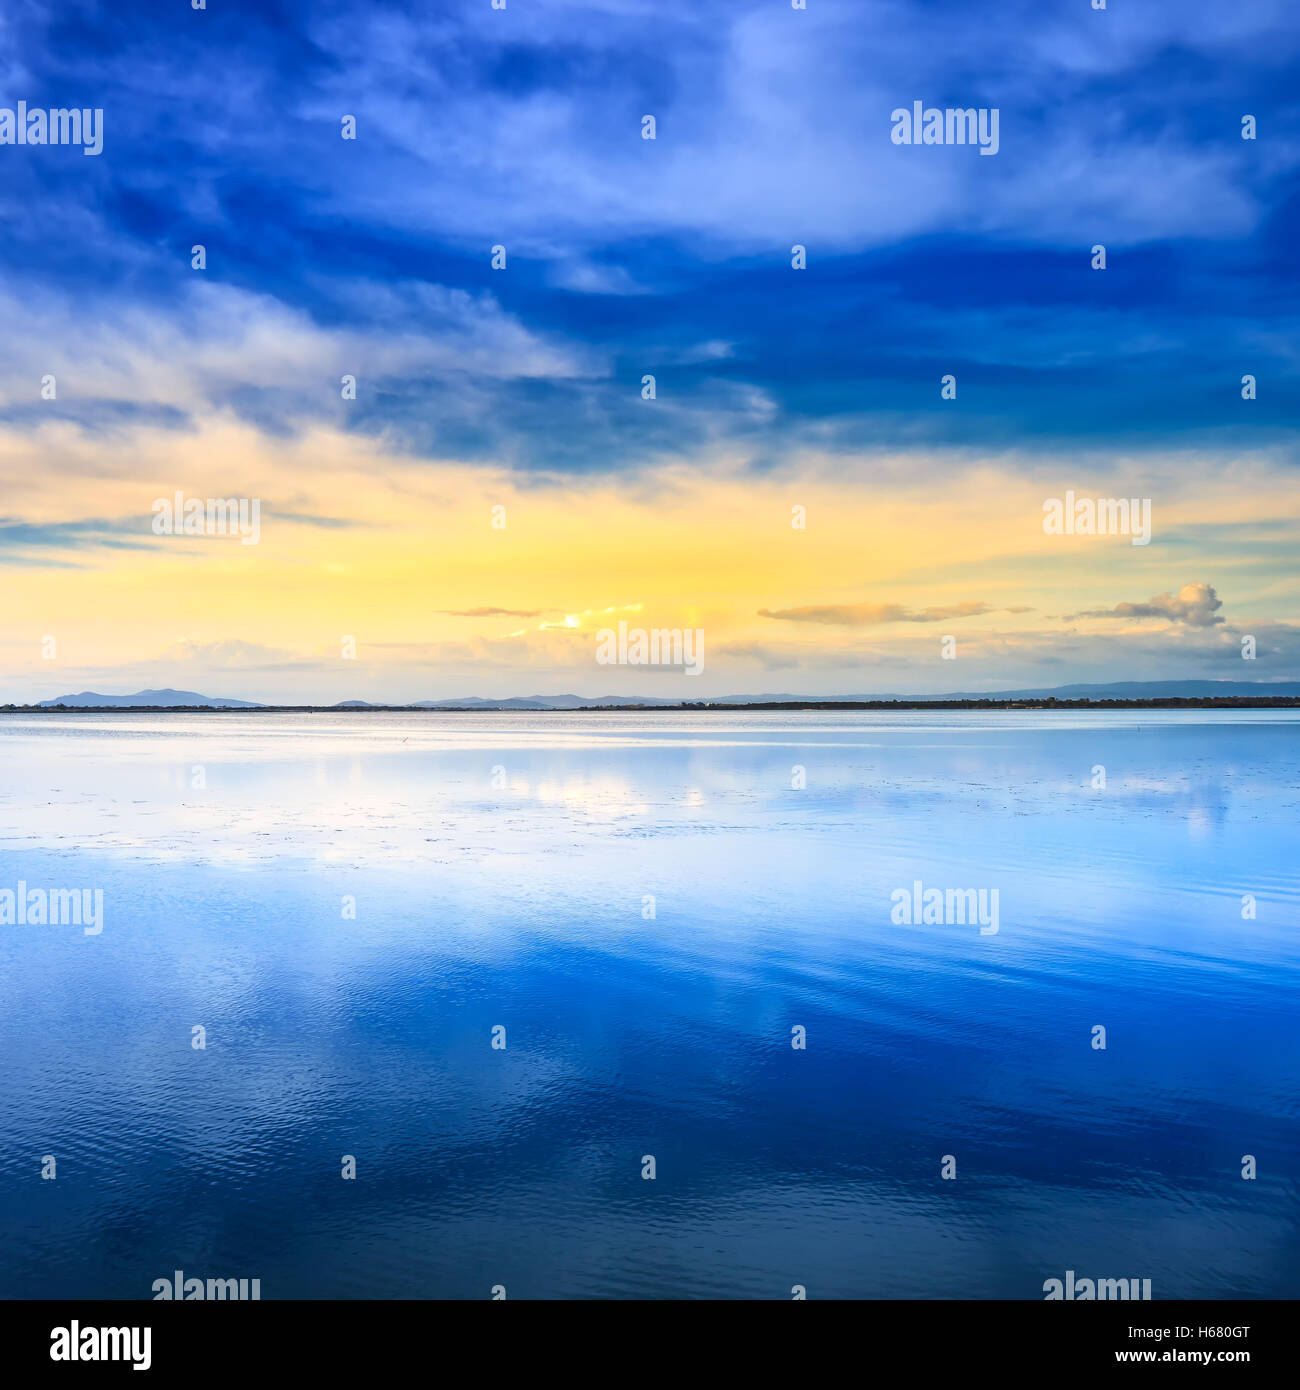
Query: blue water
[500, 865]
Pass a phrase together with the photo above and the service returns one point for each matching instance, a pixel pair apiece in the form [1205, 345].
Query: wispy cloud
[19, 538]
[873, 614]
[491, 612]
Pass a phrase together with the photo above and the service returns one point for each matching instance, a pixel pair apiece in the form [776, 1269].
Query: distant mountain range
[1115, 690]
[1131, 690]
[90, 699]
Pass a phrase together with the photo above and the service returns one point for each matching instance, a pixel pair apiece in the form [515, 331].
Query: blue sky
[478, 127]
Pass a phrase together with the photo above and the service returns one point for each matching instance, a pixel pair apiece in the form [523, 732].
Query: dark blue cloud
[672, 257]
[23, 542]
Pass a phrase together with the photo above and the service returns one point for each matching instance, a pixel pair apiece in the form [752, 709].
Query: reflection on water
[502, 870]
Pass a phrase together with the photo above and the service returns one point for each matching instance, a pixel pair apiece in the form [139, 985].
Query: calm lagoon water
[500, 866]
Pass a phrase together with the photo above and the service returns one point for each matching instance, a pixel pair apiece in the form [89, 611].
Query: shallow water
[500, 867]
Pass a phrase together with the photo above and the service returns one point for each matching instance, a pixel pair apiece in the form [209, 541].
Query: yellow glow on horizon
[403, 556]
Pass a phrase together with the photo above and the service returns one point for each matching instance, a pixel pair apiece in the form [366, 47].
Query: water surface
[502, 868]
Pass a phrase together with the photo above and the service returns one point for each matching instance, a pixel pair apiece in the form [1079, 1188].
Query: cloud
[625, 254]
[1196, 605]
[322, 523]
[26, 537]
[491, 612]
[760, 110]
[231, 654]
[223, 345]
[873, 614]
[769, 657]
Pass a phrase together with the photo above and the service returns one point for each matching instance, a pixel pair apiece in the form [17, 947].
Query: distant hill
[1114, 690]
[1139, 690]
[551, 702]
[90, 699]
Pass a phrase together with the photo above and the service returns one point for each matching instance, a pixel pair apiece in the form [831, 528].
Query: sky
[497, 488]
